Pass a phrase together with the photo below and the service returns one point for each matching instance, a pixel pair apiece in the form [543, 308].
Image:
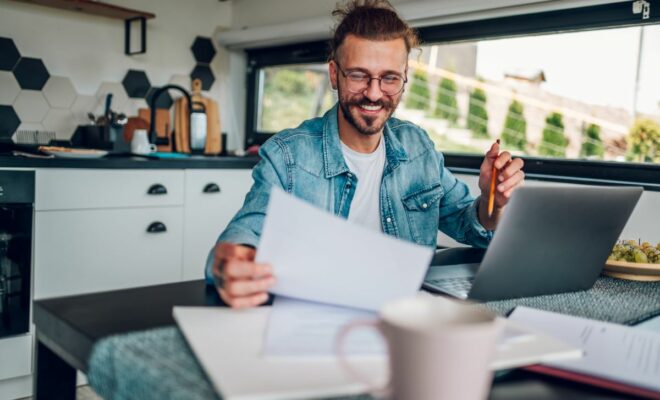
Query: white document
[229, 346]
[320, 257]
[302, 328]
[615, 352]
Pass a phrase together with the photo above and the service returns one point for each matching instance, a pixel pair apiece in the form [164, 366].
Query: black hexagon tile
[31, 73]
[203, 72]
[136, 83]
[9, 121]
[164, 100]
[9, 54]
[203, 50]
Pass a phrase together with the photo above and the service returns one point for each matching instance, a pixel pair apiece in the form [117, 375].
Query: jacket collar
[333, 158]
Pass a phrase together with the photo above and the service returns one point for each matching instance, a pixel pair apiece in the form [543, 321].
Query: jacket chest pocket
[423, 213]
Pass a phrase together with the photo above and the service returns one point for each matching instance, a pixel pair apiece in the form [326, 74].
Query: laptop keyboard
[458, 287]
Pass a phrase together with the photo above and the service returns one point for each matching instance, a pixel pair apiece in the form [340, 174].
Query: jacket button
[388, 220]
[349, 175]
[425, 205]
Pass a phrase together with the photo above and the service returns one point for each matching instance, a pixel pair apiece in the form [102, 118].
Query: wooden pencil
[491, 194]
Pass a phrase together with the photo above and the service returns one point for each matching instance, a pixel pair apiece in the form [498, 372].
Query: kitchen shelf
[106, 10]
[93, 7]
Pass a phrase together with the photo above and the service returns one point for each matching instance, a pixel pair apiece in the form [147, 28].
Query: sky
[597, 67]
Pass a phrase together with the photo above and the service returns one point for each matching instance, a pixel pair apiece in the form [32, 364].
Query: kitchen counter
[130, 162]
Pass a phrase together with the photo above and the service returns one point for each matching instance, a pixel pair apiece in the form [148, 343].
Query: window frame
[616, 15]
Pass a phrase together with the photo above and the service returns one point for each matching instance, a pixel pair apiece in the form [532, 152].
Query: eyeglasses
[358, 81]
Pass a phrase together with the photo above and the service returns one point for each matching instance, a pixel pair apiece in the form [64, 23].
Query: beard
[366, 124]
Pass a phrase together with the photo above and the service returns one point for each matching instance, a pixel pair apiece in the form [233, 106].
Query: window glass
[580, 95]
[291, 94]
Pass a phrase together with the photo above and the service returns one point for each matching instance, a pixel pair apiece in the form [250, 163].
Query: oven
[16, 215]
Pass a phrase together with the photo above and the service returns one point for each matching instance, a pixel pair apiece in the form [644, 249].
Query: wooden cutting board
[132, 124]
[213, 145]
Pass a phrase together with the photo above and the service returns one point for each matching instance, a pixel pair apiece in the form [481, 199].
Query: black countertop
[131, 162]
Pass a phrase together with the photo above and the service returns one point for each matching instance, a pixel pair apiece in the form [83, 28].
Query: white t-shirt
[368, 168]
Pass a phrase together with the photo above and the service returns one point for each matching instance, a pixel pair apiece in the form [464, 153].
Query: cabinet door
[212, 199]
[75, 189]
[86, 251]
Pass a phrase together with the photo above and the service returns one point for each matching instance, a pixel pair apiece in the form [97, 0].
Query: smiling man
[359, 162]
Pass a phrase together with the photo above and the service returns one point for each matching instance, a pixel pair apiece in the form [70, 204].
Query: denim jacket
[418, 194]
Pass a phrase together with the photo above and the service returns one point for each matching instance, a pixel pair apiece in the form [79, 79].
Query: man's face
[368, 110]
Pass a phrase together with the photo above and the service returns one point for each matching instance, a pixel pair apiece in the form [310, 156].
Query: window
[291, 94]
[575, 92]
[592, 95]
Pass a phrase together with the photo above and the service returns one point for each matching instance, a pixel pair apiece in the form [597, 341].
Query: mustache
[366, 102]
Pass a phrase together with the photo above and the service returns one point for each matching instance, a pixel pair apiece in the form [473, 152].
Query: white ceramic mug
[438, 349]
[140, 143]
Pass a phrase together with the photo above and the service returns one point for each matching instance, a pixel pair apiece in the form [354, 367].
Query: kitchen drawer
[76, 189]
[16, 356]
[208, 212]
[87, 251]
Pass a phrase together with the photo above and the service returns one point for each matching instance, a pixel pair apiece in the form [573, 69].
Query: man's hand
[240, 281]
[509, 177]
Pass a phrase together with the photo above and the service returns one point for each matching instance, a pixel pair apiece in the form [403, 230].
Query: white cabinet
[98, 230]
[212, 197]
[75, 189]
[82, 251]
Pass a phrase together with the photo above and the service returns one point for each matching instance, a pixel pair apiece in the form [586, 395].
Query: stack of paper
[615, 356]
[287, 351]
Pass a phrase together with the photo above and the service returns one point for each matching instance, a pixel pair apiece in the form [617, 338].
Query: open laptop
[549, 240]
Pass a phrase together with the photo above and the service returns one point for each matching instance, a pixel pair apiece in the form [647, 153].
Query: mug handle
[340, 343]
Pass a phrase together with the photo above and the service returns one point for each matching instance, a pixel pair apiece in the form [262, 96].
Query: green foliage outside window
[514, 134]
[418, 97]
[644, 141]
[554, 142]
[477, 120]
[592, 145]
[446, 105]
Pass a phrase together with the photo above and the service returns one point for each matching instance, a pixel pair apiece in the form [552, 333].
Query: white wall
[89, 49]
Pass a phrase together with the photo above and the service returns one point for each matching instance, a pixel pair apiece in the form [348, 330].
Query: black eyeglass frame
[404, 78]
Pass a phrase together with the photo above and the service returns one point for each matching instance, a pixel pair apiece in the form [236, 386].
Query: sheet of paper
[614, 352]
[305, 329]
[302, 328]
[320, 257]
[229, 346]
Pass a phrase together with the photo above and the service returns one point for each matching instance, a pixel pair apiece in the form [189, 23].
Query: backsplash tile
[9, 54]
[9, 121]
[31, 73]
[9, 88]
[59, 92]
[60, 121]
[31, 106]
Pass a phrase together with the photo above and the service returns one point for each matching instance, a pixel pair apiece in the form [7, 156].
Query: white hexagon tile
[119, 96]
[83, 105]
[59, 92]
[61, 121]
[8, 88]
[133, 105]
[31, 106]
[181, 80]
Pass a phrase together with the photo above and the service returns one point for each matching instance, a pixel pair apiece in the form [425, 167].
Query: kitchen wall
[89, 51]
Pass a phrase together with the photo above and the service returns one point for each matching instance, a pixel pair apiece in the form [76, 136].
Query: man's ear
[332, 70]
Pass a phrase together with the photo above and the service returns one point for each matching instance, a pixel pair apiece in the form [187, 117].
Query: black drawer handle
[156, 227]
[211, 188]
[157, 189]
